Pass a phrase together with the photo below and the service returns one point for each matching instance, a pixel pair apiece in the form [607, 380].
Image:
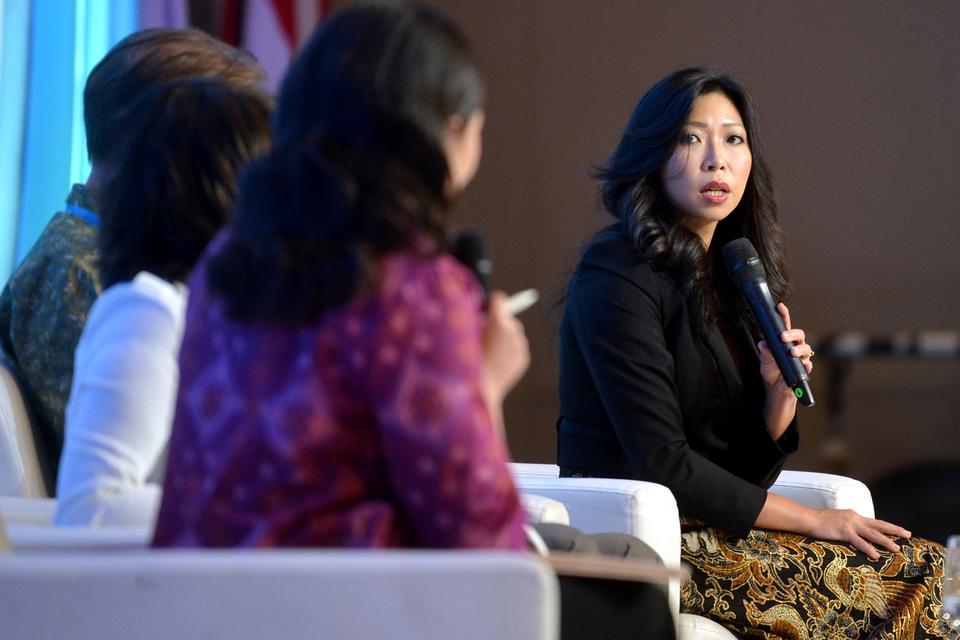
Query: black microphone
[470, 248]
[747, 272]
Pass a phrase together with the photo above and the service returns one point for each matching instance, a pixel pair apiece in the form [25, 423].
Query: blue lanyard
[84, 214]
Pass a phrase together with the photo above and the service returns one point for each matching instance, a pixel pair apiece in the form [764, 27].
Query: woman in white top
[171, 190]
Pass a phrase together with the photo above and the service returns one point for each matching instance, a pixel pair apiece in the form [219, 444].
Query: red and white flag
[272, 30]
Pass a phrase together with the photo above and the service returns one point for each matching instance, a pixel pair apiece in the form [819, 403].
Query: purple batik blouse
[365, 429]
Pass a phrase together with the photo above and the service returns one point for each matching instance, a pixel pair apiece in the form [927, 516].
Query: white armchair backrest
[333, 594]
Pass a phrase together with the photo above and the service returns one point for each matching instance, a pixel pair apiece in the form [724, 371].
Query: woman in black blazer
[662, 379]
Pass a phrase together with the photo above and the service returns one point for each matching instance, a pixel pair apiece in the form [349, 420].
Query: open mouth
[715, 189]
[715, 192]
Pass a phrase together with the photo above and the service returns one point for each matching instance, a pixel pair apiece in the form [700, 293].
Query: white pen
[521, 301]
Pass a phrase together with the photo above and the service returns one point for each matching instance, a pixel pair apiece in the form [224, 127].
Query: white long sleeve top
[121, 405]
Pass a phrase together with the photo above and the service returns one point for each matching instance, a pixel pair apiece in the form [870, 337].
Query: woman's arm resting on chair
[845, 525]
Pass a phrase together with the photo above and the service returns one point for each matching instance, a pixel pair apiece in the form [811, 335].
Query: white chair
[20, 473]
[333, 594]
[649, 512]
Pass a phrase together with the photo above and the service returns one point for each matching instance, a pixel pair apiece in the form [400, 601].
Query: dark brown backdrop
[860, 114]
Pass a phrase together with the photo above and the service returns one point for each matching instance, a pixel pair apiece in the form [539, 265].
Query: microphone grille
[742, 261]
[470, 248]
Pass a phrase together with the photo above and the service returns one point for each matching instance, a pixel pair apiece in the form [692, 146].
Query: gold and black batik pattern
[772, 584]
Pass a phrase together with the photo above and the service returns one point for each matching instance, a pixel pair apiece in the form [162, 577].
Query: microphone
[470, 248]
[747, 272]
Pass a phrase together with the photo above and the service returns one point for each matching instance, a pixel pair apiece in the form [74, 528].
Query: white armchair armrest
[543, 509]
[600, 505]
[597, 505]
[825, 491]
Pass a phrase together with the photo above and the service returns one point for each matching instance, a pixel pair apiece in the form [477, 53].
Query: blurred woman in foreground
[339, 383]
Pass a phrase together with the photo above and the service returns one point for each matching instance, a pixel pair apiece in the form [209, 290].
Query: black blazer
[644, 396]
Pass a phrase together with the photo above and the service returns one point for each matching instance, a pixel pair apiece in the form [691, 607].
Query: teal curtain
[14, 54]
[47, 49]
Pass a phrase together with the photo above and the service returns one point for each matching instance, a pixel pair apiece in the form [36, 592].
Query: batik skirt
[773, 584]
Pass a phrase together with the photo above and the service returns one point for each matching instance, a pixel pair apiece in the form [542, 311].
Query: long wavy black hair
[357, 168]
[631, 189]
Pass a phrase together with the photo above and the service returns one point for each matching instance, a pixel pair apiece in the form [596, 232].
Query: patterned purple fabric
[367, 429]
